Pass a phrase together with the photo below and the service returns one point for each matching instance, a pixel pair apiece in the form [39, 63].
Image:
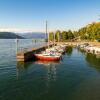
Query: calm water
[76, 77]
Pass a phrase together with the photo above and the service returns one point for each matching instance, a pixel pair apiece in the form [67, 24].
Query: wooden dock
[29, 54]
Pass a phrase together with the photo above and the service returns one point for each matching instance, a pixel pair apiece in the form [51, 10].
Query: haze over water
[76, 77]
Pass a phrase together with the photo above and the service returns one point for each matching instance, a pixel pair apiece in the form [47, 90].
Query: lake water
[75, 77]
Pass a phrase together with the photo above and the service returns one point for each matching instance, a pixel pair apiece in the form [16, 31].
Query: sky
[30, 15]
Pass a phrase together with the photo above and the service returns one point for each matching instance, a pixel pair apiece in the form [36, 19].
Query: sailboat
[48, 55]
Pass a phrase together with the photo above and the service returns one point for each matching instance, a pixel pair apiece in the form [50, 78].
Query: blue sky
[30, 15]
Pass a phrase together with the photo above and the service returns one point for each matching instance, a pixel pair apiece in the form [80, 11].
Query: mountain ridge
[31, 35]
[10, 35]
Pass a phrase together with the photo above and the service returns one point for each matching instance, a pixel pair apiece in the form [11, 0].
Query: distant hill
[9, 35]
[33, 35]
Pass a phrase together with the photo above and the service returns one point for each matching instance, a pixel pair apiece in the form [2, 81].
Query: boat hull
[46, 58]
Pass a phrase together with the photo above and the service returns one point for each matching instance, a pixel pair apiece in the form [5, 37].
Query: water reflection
[50, 68]
[93, 60]
[22, 68]
[51, 71]
[69, 51]
[23, 65]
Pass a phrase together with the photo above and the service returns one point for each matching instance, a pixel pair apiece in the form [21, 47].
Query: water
[76, 77]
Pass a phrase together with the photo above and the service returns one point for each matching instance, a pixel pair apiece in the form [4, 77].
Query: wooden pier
[28, 55]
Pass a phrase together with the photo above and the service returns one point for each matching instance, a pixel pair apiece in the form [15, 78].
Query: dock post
[16, 46]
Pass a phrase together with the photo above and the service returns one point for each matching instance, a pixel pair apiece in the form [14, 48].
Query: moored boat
[51, 53]
[47, 57]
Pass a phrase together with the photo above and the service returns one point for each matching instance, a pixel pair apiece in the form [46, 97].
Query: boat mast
[47, 34]
[54, 38]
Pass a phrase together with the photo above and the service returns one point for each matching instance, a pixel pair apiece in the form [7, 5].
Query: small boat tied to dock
[51, 54]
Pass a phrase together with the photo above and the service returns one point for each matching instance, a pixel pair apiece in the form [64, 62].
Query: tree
[51, 36]
[70, 35]
[89, 32]
[58, 35]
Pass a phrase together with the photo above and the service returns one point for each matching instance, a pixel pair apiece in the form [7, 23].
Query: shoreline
[97, 44]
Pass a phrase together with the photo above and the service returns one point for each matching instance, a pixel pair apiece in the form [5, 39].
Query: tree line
[89, 32]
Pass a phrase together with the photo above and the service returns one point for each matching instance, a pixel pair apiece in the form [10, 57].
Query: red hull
[46, 58]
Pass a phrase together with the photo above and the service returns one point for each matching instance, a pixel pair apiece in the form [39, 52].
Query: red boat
[46, 57]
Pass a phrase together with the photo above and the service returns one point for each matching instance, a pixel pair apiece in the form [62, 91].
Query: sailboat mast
[54, 38]
[47, 33]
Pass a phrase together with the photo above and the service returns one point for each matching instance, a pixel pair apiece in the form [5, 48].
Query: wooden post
[16, 45]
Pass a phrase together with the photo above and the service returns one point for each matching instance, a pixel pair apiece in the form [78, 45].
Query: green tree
[58, 35]
[51, 36]
[64, 36]
[70, 35]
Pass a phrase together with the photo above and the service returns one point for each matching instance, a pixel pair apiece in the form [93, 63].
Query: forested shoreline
[90, 32]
